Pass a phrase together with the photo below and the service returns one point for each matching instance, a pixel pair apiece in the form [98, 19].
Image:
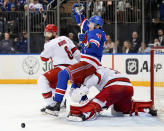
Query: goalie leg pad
[88, 107]
[79, 116]
[86, 112]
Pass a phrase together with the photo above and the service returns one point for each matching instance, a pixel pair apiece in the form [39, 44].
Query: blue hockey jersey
[93, 44]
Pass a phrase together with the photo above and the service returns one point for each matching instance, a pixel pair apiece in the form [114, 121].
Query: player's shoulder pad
[50, 43]
[98, 31]
[47, 44]
[60, 38]
[65, 38]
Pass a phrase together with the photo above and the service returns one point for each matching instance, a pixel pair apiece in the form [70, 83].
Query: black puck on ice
[23, 125]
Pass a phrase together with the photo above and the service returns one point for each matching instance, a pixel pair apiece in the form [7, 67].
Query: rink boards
[25, 69]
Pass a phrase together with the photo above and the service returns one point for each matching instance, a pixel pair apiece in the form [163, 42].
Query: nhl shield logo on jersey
[132, 66]
[30, 65]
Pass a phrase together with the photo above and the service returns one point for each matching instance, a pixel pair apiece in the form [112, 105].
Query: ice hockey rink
[21, 104]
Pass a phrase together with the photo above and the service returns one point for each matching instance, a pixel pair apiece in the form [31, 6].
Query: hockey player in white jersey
[62, 52]
[115, 89]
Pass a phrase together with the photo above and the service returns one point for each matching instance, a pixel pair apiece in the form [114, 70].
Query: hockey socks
[61, 88]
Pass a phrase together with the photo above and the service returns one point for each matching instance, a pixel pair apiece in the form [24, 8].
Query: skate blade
[53, 113]
[74, 118]
[43, 113]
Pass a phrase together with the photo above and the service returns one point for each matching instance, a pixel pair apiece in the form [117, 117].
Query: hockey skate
[51, 109]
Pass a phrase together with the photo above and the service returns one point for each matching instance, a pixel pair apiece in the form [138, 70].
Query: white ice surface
[22, 103]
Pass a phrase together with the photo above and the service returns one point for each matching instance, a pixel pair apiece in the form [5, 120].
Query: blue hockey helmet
[97, 20]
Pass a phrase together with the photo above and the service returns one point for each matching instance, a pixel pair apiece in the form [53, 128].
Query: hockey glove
[81, 37]
[78, 12]
[78, 9]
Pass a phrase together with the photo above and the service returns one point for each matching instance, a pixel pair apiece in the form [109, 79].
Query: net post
[152, 77]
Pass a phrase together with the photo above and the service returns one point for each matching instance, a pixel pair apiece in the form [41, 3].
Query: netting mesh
[159, 79]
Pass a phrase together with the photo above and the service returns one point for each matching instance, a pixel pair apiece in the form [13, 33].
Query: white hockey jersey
[106, 77]
[61, 50]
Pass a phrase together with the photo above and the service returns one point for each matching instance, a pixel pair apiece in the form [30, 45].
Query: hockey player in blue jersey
[92, 42]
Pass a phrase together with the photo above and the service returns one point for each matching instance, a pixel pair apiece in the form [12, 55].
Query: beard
[49, 38]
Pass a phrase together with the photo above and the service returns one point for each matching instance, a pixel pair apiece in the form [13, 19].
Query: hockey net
[157, 78]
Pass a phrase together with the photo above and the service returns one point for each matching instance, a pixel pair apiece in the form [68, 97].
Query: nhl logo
[30, 65]
[132, 66]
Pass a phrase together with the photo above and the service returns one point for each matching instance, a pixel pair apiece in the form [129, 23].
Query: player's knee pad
[42, 79]
[43, 84]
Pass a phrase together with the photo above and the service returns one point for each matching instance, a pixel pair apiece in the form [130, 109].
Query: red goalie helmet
[51, 28]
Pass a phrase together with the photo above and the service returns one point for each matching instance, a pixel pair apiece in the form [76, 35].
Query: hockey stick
[80, 17]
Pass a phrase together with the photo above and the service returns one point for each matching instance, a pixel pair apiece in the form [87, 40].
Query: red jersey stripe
[99, 76]
[118, 79]
[82, 21]
[97, 44]
[92, 59]
[44, 59]
[60, 91]
[47, 95]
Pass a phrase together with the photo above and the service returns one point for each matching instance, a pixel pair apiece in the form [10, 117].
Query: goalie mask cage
[157, 78]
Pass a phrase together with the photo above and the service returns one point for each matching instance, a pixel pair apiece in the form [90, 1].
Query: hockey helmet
[97, 20]
[51, 28]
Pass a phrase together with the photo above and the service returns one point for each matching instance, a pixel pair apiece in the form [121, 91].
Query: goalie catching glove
[78, 93]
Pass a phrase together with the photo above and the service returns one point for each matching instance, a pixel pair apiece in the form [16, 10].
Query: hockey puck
[23, 125]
